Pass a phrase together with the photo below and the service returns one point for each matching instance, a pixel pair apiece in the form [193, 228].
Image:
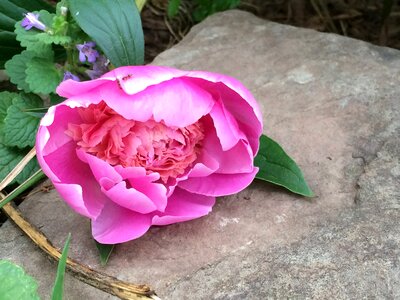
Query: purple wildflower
[99, 67]
[32, 20]
[86, 51]
[69, 75]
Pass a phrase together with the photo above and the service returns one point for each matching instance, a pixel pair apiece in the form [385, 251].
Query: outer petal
[132, 79]
[161, 102]
[117, 224]
[218, 184]
[226, 126]
[238, 159]
[51, 136]
[184, 206]
[74, 180]
[233, 84]
[70, 88]
[244, 111]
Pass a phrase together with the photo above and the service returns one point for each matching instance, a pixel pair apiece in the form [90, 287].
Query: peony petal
[143, 196]
[183, 206]
[117, 224]
[161, 102]
[70, 88]
[247, 116]
[100, 168]
[74, 180]
[56, 136]
[234, 85]
[134, 79]
[146, 184]
[129, 198]
[226, 126]
[218, 184]
[238, 159]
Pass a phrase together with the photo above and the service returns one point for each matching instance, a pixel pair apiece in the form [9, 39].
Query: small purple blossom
[69, 75]
[32, 20]
[100, 67]
[86, 51]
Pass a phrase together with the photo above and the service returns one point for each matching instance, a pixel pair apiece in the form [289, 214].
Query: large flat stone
[333, 104]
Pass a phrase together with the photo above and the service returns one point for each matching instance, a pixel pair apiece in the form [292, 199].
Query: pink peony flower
[148, 145]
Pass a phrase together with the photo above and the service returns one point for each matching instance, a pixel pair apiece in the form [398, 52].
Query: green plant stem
[31, 181]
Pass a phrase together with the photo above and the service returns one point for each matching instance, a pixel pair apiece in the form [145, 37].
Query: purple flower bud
[86, 51]
[100, 67]
[32, 20]
[69, 75]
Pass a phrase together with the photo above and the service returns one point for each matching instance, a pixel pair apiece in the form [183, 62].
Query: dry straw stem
[104, 282]
[18, 169]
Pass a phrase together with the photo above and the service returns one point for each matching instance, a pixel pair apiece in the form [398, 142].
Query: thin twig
[104, 282]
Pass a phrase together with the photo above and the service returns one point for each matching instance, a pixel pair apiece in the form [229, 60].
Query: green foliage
[9, 46]
[173, 8]
[15, 283]
[17, 130]
[115, 26]
[105, 251]
[5, 102]
[205, 8]
[42, 75]
[19, 125]
[58, 288]
[15, 68]
[33, 5]
[278, 168]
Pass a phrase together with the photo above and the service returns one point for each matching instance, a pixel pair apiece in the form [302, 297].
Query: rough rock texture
[333, 104]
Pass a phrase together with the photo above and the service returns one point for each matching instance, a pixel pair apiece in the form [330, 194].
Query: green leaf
[5, 102]
[12, 10]
[173, 8]
[6, 23]
[278, 168]
[15, 283]
[104, 251]
[115, 26]
[58, 288]
[9, 46]
[33, 5]
[42, 75]
[15, 69]
[20, 126]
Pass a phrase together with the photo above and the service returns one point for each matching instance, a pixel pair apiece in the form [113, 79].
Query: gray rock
[333, 104]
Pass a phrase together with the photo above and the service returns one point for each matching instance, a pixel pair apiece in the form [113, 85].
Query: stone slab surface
[334, 104]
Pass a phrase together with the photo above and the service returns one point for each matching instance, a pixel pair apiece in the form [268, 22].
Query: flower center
[152, 145]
